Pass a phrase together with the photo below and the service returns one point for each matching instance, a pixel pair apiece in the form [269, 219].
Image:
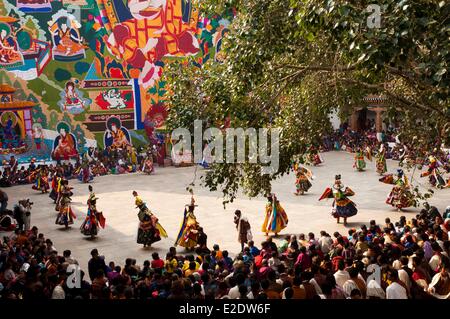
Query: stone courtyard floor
[165, 194]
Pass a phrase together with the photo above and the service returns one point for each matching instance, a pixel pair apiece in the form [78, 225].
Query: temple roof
[5, 88]
[16, 105]
[8, 19]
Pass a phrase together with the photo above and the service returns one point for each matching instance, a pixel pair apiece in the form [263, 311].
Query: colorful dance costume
[359, 163]
[433, 173]
[41, 183]
[66, 215]
[56, 188]
[188, 234]
[400, 195]
[276, 218]
[94, 218]
[302, 181]
[342, 205]
[149, 229]
[381, 161]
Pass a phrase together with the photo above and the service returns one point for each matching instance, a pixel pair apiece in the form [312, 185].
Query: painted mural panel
[85, 65]
[65, 145]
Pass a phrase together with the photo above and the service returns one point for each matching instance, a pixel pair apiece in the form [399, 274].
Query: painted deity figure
[38, 136]
[67, 42]
[64, 146]
[114, 99]
[150, 30]
[71, 95]
[116, 136]
[10, 55]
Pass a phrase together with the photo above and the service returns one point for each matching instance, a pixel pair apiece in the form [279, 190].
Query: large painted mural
[91, 72]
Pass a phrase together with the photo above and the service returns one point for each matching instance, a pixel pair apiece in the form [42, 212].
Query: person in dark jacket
[96, 263]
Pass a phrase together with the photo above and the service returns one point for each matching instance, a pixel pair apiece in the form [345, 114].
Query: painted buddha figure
[9, 51]
[116, 136]
[65, 144]
[67, 42]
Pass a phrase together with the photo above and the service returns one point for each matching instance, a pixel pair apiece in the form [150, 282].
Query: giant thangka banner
[87, 63]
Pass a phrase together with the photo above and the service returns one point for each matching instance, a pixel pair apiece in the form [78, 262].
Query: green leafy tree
[289, 64]
[36, 112]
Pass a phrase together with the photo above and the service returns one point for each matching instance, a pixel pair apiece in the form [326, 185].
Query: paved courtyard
[165, 194]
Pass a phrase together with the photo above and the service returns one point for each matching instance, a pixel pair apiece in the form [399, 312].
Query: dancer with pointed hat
[149, 230]
[189, 232]
[400, 196]
[343, 207]
[94, 219]
[276, 218]
[66, 215]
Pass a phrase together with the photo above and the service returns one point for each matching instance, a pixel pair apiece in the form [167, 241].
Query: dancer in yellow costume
[189, 231]
[276, 218]
[149, 230]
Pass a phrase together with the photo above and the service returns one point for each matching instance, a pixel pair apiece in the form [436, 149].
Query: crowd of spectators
[408, 259]
[345, 139]
[101, 162]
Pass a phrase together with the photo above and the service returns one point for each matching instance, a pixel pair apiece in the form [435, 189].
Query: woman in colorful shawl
[381, 160]
[149, 229]
[400, 195]
[65, 216]
[302, 181]
[94, 218]
[359, 164]
[276, 218]
[189, 231]
[342, 205]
